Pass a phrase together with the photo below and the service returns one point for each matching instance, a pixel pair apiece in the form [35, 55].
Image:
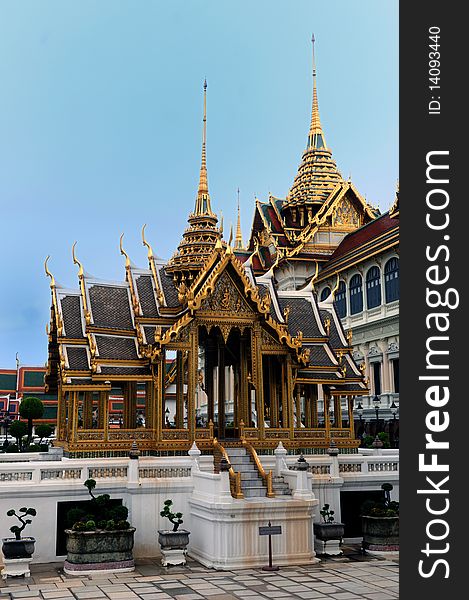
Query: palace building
[220, 345]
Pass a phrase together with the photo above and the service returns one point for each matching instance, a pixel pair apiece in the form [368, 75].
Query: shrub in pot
[328, 530]
[173, 542]
[19, 547]
[99, 538]
[380, 523]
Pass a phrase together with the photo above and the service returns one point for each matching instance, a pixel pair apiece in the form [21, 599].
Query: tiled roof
[334, 339]
[77, 358]
[72, 316]
[366, 234]
[301, 317]
[319, 357]
[110, 307]
[125, 370]
[169, 291]
[113, 347]
[303, 374]
[146, 296]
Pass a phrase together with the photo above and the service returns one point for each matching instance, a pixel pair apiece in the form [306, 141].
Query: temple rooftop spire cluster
[317, 174]
[200, 237]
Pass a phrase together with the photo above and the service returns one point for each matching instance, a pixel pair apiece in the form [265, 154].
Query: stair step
[238, 460]
[251, 483]
[254, 493]
[236, 452]
[249, 475]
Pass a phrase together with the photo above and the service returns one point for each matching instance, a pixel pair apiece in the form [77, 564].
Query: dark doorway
[350, 507]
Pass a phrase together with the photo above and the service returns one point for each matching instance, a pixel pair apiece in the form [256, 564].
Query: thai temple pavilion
[217, 345]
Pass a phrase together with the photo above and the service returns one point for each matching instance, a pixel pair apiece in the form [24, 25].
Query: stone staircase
[252, 484]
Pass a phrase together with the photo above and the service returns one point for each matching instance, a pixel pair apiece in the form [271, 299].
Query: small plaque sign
[271, 530]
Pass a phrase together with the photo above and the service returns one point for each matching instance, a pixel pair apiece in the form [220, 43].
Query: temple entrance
[223, 391]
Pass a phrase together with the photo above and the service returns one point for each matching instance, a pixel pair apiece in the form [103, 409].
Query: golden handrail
[267, 477]
[235, 478]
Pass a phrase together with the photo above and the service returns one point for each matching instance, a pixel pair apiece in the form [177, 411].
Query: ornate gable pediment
[346, 215]
[270, 343]
[226, 299]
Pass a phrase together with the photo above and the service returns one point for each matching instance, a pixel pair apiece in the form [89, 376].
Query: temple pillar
[130, 404]
[298, 406]
[179, 418]
[208, 378]
[103, 412]
[288, 405]
[73, 422]
[350, 400]
[327, 419]
[243, 383]
[258, 379]
[221, 388]
[192, 371]
[88, 410]
[274, 403]
[313, 391]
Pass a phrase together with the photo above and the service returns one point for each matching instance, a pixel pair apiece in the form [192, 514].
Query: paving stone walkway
[346, 578]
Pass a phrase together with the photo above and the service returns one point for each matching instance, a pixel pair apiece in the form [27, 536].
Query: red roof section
[364, 235]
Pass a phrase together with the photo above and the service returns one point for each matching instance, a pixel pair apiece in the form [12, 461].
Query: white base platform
[226, 536]
[173, 557]
[330, 548]
[16, 567]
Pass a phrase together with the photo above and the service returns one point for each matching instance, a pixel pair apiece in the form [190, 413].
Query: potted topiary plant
[18, 551]
[328, 530]
[173, 542]
[380, 523]
[100, 538]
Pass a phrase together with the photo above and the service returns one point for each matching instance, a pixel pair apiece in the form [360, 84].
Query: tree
[44, 430]
[31, 408]
[18, 429]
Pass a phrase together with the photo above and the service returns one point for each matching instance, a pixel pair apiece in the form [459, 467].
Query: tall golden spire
[202, 204]
[199, 239]
[317, 174]
[316, 137]
[239, 236]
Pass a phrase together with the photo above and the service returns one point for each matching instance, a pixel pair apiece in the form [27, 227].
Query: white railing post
[195, 453]
[280, 462]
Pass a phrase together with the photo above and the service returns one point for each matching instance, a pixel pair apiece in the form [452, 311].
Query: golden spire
[317, 174]
[239, 236]
[316, 137]
[199, 239]
[202, 205]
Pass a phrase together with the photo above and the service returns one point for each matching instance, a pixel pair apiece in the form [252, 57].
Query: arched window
[341, 300]
[373, 288]
[356, 295]
[391, 280]
[326, 292]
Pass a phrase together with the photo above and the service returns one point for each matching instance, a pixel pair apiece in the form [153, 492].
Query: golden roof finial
[145, 243]
[230, 239]
[316, 137]
[202, 204]
[221, 223]
[239, 236]
[76, 261]
[123, 252]
[48, 273]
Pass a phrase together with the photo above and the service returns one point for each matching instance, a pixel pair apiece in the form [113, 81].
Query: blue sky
[101, 124]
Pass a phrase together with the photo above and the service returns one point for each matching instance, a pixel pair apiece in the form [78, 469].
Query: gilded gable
[226, 298]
